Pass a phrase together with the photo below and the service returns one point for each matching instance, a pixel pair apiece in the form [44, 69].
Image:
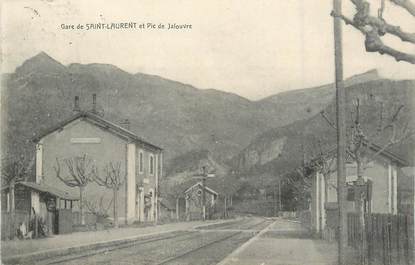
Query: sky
[254, 48]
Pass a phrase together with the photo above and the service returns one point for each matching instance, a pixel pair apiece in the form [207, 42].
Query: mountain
[282, 149]
[302, 104]
[183, 169]
[41, 62]
[176, 116]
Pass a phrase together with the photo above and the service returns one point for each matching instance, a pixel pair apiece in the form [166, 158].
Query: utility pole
[279, 194]
[204, 176]
[341, 132]
[275, 200]
[204, 194]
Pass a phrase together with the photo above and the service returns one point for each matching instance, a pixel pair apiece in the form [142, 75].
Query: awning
[48, 189]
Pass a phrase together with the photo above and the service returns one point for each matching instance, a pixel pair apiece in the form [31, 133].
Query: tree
[113, 180]
[360, 143]
[226, 185]
[97, 208]
[374, 27]
[297, 184]
[81, 172]
[13, 171]
[361, 136]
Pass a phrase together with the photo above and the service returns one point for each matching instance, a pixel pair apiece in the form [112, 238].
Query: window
[151, 165]
[140, 162]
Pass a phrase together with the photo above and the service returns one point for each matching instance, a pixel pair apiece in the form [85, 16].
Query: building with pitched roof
[103, 142]
[379, 186]
[193, 201]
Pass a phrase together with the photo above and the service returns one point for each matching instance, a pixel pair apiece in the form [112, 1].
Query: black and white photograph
[190, 132]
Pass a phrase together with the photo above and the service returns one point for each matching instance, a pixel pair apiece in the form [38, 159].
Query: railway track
[177, 235]
[168, 249]
[185, 258]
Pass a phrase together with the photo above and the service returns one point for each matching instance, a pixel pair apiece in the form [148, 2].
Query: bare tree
[14, 171]
[230, 185]
[315, 159]
[174, 190]
[113, 180]
[81, 172]
[325, 164]
[374, 27]
[97, 208]
[361, 138]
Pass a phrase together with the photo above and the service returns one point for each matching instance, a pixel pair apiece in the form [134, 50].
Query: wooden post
[115, 202]
[12, 209]
[81, 208]
[203, 196]
[187, 207]
[275, 200]
[279, 195]
[224, 206]
[203, 176]
[341, 133]
[177, 209]
[36, 226]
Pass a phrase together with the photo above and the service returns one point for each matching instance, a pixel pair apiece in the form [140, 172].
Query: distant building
[383, 175]
[193, 198]
[103, 142]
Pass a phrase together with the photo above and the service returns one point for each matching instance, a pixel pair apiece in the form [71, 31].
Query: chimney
[94, 103]
[125, 124]
[76, 105]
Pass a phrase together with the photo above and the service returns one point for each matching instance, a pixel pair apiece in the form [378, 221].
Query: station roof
[200, 185]
[98, 121]
[44, 188]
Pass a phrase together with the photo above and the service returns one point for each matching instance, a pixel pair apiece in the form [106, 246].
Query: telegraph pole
[204, 176]
[275, 200]
[204, 194]
[341, 133]
[279, 194]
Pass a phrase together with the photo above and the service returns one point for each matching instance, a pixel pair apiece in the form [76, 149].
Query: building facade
[103, 142]
[381, 173]
[193, 201]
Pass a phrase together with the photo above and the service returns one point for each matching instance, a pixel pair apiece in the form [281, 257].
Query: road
[199, 246]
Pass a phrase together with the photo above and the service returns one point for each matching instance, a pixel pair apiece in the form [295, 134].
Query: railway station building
[88, 134]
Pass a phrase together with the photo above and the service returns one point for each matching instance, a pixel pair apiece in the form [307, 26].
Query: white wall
[131, 189]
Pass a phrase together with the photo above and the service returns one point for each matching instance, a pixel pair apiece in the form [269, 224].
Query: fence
[387, 239]
[90, 219]
[7, 231]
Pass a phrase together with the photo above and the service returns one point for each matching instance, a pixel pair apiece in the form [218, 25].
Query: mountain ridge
[43, 56]
[177, 116]
[279, 150]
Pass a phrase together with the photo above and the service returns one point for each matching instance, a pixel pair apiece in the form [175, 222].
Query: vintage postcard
[252, 132]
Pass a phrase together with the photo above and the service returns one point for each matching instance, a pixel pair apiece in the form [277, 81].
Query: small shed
[193, 198]
[55, 209]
